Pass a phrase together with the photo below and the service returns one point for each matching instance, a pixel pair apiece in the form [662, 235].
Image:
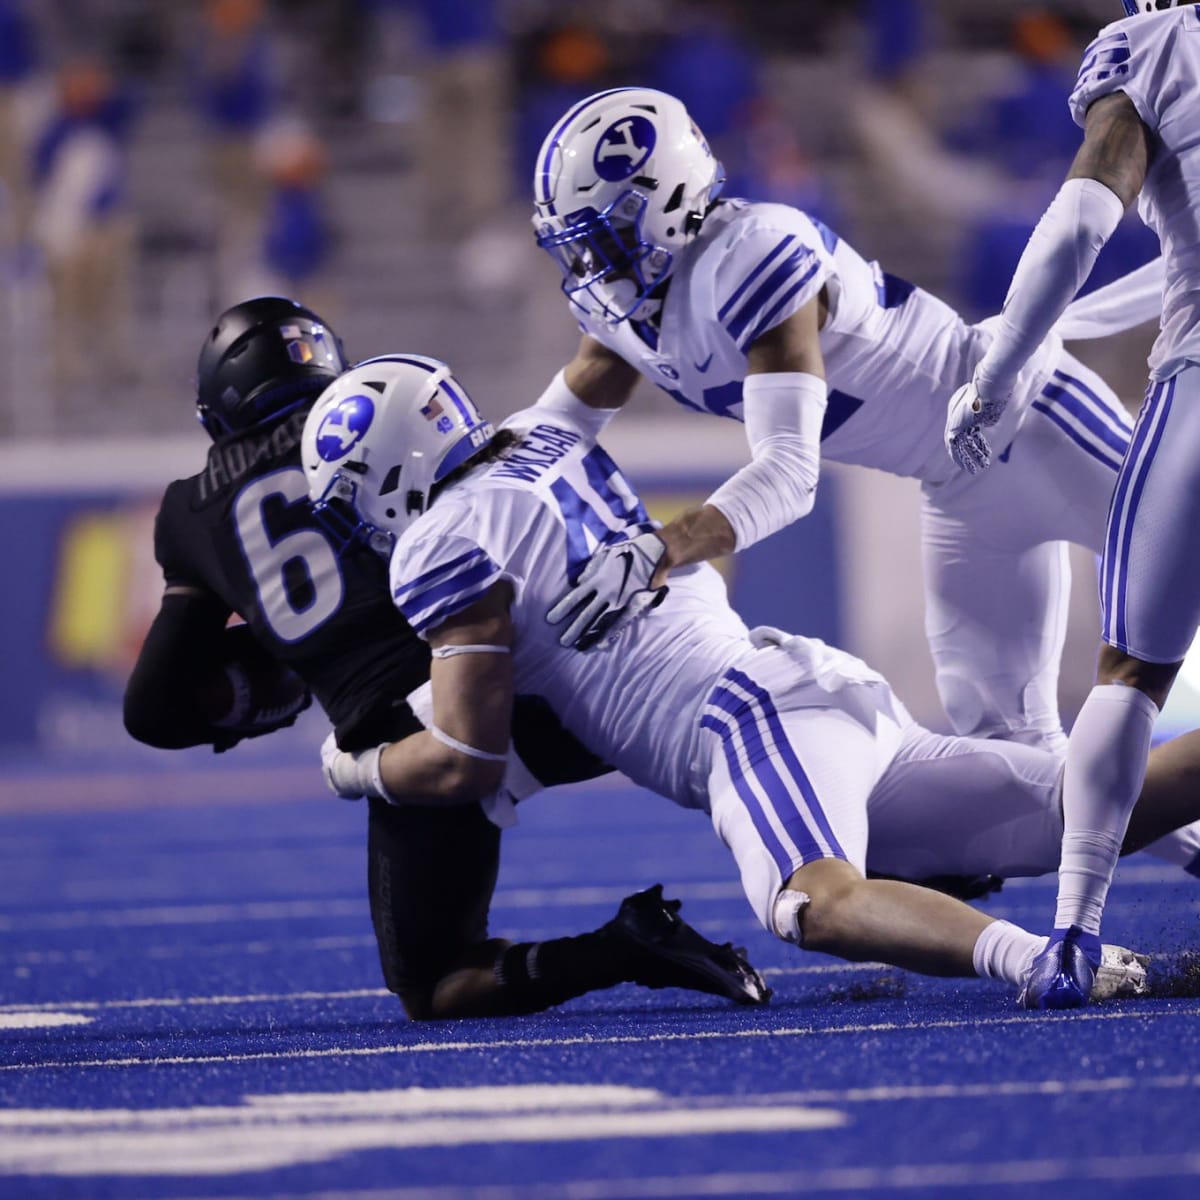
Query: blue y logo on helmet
[623, 147]
[344, 426]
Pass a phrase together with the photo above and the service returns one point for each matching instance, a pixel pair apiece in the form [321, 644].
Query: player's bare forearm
[422, 770]
[462, 758]
[599, 377]
[1116, 149]
[698, 535]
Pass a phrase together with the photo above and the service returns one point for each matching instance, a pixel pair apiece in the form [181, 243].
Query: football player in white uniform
[760, 313]
[791, 747]
[1137, 100]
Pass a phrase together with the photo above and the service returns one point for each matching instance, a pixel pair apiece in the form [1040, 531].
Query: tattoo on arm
[1116, 148]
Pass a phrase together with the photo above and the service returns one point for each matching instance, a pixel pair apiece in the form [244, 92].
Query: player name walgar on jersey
[893, 353]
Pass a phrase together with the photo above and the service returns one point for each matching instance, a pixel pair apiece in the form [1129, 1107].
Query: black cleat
[665, 951]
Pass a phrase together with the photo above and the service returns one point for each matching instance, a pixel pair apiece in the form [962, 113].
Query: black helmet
[261, 359]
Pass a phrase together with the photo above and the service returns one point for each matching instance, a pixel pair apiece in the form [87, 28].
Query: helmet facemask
[606, 255]
[335, 510]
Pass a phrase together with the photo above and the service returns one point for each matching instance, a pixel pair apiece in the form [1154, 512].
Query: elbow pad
[783, 412]
[1056, 263]
[559, 399]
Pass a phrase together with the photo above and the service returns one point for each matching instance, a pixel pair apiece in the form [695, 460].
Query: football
[248, 692]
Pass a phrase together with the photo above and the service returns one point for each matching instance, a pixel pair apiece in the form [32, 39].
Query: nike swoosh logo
[703, 366]
[626, 556]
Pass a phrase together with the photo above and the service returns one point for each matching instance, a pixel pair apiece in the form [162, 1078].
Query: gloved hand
[353, 776]
[967, 416]
[611, 593]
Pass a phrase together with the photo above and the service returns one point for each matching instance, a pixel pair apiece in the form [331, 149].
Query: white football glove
[353, 776]
[967, 417]
[612, 592]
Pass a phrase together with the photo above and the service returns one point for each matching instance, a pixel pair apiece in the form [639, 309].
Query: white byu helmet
[1133, 7]
[621, 185]
[380, 437]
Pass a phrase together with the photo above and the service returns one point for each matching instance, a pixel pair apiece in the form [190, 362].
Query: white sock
[1004, 951]
[1106, 764]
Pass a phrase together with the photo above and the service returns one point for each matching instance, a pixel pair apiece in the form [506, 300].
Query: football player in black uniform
[239, 537]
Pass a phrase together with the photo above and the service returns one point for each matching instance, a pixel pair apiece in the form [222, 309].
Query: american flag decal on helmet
[299, 348]
[432, 410]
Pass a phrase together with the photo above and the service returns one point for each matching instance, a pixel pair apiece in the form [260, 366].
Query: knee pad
[969, 707]
[976, 710]
[785, 916]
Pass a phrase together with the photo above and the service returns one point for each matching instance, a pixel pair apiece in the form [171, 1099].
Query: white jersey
[534, 518]
[1154, 59]
[893, 353]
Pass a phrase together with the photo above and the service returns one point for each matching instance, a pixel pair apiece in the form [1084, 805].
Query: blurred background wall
[162, 160]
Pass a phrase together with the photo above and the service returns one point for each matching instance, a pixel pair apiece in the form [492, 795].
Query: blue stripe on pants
[1130, 487]
[790, 761]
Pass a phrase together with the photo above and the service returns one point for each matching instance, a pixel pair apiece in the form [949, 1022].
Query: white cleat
[1121, 974]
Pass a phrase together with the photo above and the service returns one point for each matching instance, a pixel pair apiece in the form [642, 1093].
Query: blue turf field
[190, 1006]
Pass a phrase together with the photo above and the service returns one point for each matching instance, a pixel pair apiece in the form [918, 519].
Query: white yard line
[974, 1023]
[348, 994]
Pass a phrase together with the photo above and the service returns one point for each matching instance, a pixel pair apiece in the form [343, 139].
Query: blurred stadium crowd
[159, 161]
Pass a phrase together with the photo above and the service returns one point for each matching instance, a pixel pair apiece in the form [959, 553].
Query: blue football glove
[611, 593]
[967, 416]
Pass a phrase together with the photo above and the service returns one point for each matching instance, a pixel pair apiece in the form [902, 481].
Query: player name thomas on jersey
[233, 460]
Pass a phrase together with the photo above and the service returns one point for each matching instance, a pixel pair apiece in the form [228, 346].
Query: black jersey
[243, 531]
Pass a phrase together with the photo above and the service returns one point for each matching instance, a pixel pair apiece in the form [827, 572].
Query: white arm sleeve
[1058, 259]
[1131, 300]
[783, 412]
[559, 398]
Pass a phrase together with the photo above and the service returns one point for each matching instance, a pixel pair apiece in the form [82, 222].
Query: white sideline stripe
[386, 1102]
[978, 1091]
[236, 1148]
[785, 1183]
[348, 994]
[40, 1017]
[197, 1001]
[836, 968]
[536, 1043]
